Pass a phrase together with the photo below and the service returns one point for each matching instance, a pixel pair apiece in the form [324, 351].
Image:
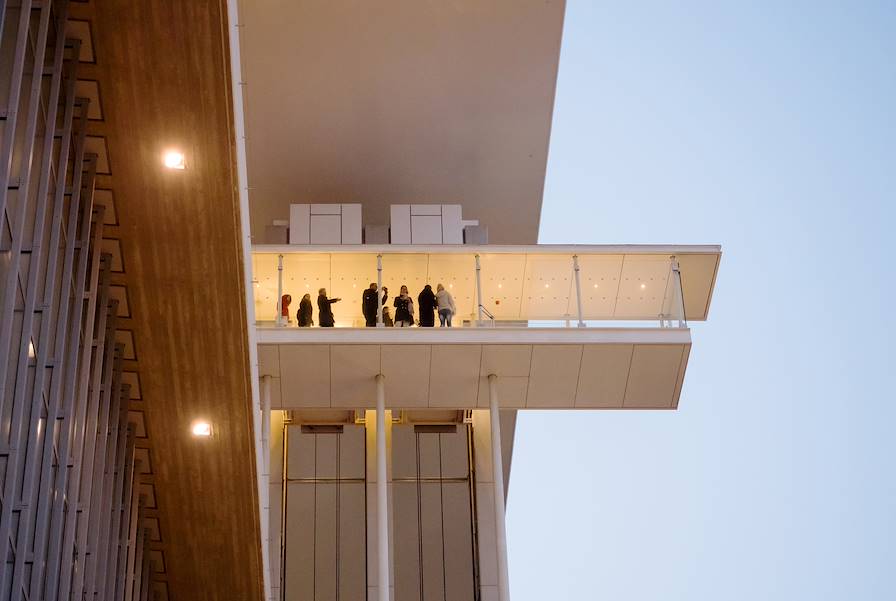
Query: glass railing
[501, 289]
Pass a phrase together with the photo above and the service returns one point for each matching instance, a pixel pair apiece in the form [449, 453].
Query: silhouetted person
[304, 314]
[427, 302]
[446, 306]
[285, 301]
[369, 305]
[404, 309]
[324, 309]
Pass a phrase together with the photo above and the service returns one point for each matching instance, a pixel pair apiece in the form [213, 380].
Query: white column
[265, 450]
[478, 293]
[498, 468]
[382, 495]
[280, 321]
[379, 291]
[575, 268]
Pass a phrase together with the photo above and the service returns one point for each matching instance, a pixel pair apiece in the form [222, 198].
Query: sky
[768, 128]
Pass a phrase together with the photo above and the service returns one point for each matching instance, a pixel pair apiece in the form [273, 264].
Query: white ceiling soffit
[401, 101]
[530, 283]
[530, 376]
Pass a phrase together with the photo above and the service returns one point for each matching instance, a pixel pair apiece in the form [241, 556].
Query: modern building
[174, 176]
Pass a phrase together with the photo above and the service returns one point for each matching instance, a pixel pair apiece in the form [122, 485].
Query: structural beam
[497, 465]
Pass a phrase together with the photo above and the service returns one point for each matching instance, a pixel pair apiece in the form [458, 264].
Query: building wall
[72, 512]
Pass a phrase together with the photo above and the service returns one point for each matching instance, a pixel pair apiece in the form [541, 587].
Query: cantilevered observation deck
[562, 327]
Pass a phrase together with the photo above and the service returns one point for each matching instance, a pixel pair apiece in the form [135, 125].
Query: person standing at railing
[427, 302]
[285, 301]
[446, 306]
[324, 309]
[303, 316]
[369, 301]
[404, 309]
[387, 319]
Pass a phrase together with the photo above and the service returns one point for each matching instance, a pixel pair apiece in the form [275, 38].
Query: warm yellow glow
[30, 349]
[643, 286]
[499, 285]
[595, 285]
[201, 428]
[174, 159]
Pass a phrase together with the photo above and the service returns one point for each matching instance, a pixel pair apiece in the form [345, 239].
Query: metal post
[478, 293]
[382, 496]
[498, 468]
[678, 291]
[266, 463]
[280, 321]
[575, 268]
[379, 291]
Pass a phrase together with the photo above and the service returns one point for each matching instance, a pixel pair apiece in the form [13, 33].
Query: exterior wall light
[201, 428]
[174, 159]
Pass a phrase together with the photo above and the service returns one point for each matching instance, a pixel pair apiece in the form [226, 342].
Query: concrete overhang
[537, 368]
[400, 102]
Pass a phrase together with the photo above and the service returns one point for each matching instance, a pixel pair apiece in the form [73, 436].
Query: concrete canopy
[401, 102]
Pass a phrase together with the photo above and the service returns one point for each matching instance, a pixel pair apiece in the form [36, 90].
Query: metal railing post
[478, 291]
[280, 321]
[575, 267]
[679, 293]
[379, 291]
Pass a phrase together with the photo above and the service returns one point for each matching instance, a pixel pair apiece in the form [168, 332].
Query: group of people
[407, 313]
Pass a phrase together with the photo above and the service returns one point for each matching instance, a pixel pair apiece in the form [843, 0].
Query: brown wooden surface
[164, 78]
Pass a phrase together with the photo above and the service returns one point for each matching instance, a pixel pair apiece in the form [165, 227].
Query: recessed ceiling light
[174, 159]
[547, 285]
[201, 428]
[595, 285]
[643, 286]
[499, 285]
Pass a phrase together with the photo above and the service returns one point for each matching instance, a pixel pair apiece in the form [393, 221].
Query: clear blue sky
[769, 128]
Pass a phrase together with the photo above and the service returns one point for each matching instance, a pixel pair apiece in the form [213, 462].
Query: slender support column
[266, 459]
[478, 293]
[382, 495]
[497, 466]
[280, 321]
[575, 268]
[379, 291]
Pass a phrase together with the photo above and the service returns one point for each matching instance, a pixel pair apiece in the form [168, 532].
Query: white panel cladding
[406, 368]
[326, 209]
[512, 392]
[351, 224]
[554, 376]
[603, 375]
[653, 376]
[400, 224]
[325, 223]
[433, 535]
[454, 375]
[426, 229]
[452, 224]
[326, 229]
[326, 515]
[299, 224]
[426, 209]
[268, 360]
[306, 376]
[542, 375]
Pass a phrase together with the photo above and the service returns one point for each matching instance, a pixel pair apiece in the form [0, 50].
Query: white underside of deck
[537, 368]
